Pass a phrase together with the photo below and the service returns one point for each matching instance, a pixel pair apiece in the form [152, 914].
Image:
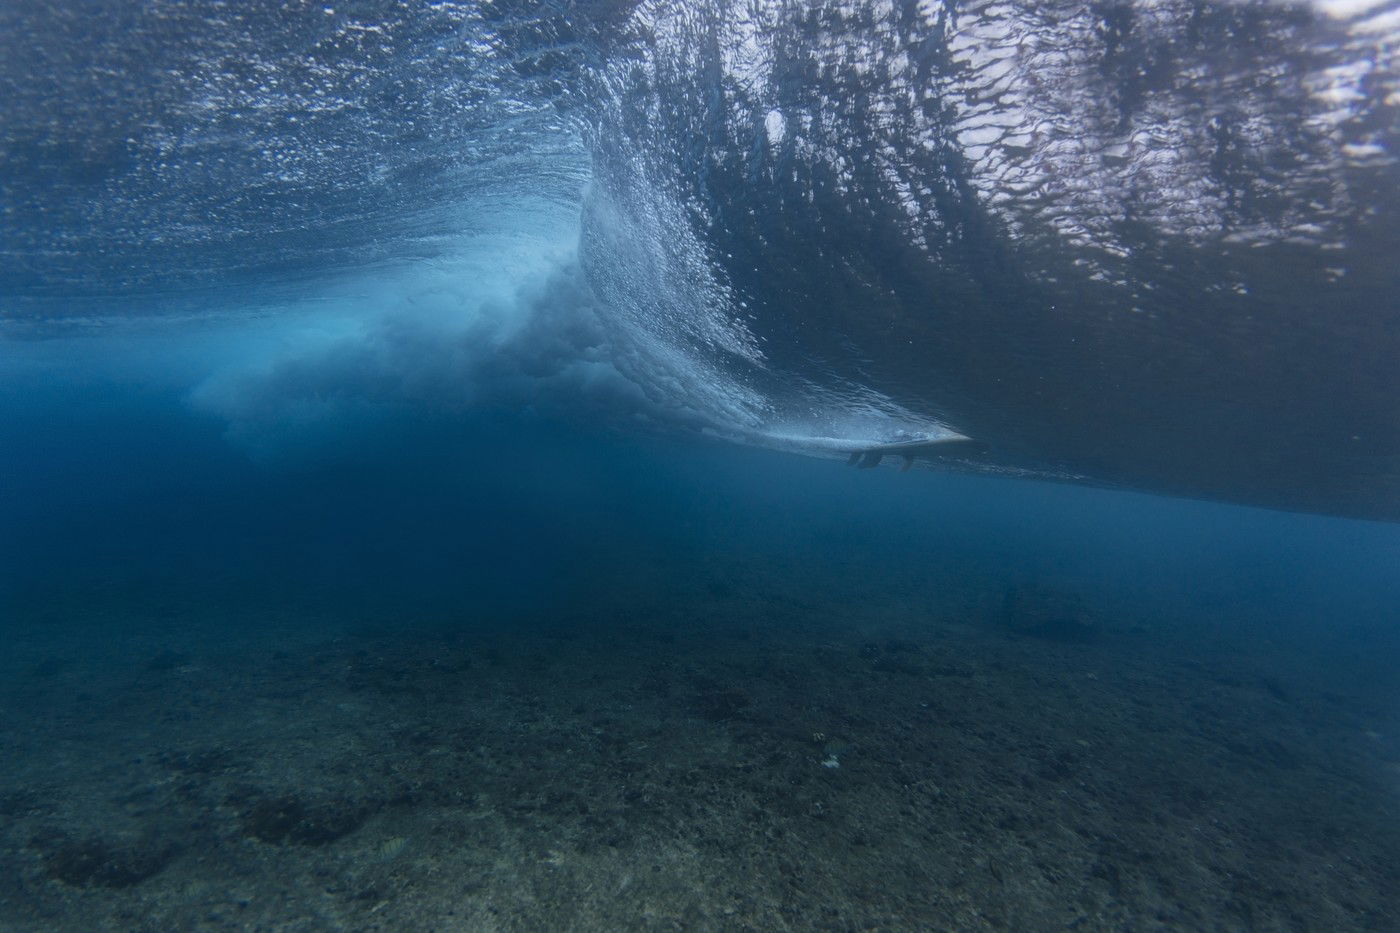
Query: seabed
[747, 748]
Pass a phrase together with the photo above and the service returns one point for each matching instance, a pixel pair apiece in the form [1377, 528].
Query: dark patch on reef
[289, 819]
[723, 703]
[1049, 615]
[107, 863]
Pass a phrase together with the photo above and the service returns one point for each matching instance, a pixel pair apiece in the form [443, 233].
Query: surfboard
[926, 448]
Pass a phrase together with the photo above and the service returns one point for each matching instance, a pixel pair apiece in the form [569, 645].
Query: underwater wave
[1141, 243]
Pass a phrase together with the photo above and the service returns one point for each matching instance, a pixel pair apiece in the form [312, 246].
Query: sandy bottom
[730, 756]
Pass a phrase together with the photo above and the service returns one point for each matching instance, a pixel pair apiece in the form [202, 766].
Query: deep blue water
[423, 438]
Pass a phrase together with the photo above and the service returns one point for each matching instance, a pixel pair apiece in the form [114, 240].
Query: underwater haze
[694, 465]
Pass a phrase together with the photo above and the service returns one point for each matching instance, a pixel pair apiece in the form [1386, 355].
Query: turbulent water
[400, 526]
[1144, 244]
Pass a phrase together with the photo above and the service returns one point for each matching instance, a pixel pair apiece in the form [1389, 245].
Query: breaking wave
[1144, 243]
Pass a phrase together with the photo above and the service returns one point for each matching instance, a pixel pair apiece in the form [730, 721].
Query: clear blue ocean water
[432, 446]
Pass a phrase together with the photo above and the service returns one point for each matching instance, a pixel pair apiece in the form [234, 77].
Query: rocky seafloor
[724, 754]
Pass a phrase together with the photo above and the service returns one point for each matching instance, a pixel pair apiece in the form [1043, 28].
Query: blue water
[423, 484]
